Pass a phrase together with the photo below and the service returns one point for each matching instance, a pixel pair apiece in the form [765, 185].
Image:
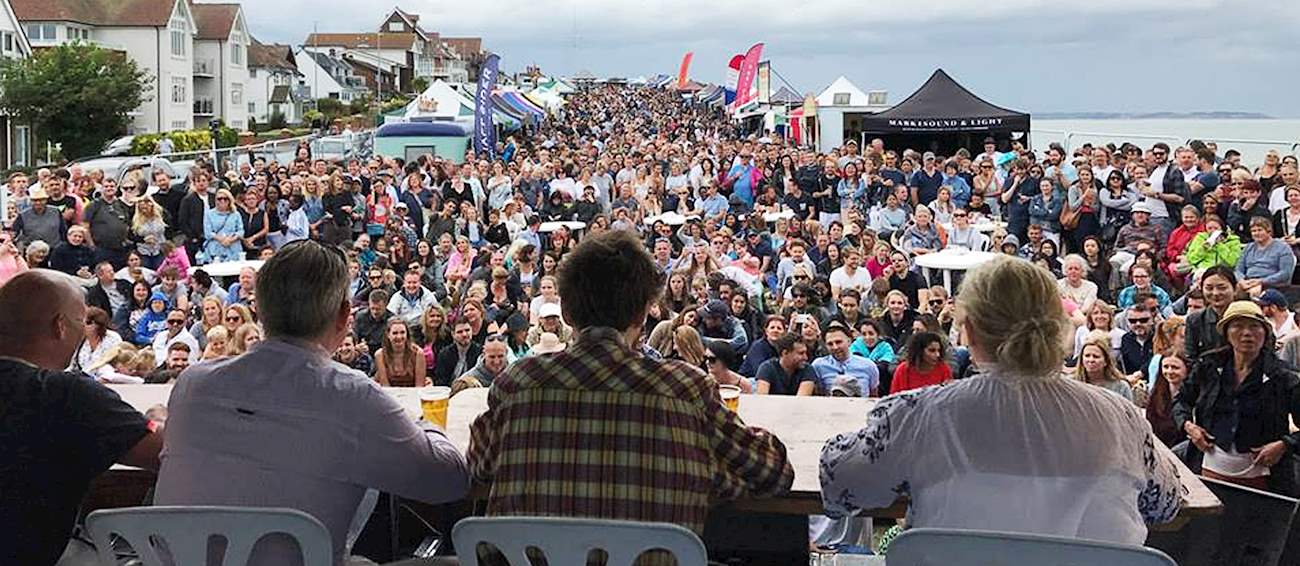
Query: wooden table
[804, 424]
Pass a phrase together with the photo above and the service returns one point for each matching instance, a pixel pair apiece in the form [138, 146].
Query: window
[78, 34]
[180, 35]
[180, 125]
[395, 26]
[237, 94]
[252, 73]
[876, 98]
[841, 99]
[236, 48]
[22, 145]
[9, 42]
[252, 108]
[180, 89]
[41, 32]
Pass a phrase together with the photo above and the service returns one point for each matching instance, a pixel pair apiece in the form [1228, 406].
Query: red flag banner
[748, 71]
[686, 66]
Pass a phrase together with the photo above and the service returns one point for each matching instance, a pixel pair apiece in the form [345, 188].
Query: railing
[203, 106]
[1072, 139]
[281, 151]
[204, 68]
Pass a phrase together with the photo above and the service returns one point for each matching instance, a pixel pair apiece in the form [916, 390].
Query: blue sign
[485, 135]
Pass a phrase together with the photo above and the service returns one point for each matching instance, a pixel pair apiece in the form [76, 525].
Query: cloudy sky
[1036, 55]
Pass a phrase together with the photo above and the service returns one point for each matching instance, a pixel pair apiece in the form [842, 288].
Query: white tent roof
[842, 85]
[440, 100]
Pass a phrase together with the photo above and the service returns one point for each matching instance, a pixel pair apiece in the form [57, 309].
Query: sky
[1032, 55]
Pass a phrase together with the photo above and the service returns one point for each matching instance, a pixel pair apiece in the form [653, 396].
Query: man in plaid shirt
[599, 430]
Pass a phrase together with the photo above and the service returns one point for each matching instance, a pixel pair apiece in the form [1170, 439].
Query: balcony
[203, 106]
[204, 68]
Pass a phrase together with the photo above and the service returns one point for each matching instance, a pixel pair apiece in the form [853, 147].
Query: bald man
[58, 429]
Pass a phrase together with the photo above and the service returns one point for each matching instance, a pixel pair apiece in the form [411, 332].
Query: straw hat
[38, 193]
[1243, 310]
[549, 344]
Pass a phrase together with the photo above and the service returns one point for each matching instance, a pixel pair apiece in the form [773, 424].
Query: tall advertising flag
[748, 70]
[485, 135]
[764, 82]
[686, 66]
[733, 73]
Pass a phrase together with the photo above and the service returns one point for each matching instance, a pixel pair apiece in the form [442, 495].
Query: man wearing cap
[926, 181]
[839, 363]
[1130, 235]
[40, 222]
[990, 151]
[1274, 305]
[717, 324]
[548, 321]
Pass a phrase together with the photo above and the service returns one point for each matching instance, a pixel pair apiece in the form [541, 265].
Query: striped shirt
[600, 431]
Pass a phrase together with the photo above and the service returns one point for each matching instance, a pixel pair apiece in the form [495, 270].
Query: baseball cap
[715, 307]
[1272, 297]
[929, 156]
[1144, 206]
[846, 386]
[548, 309]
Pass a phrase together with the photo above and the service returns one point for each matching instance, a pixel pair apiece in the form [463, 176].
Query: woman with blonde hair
[1097, 366]
[236, 316]
[149, 230]
[1101, 317]
[688, 346]
[245, 336]
[223, 230]
[210, 311]
[1048, 455]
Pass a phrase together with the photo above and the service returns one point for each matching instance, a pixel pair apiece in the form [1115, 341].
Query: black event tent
[942, 116]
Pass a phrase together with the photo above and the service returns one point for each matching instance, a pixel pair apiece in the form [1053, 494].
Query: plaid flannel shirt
[600, 431]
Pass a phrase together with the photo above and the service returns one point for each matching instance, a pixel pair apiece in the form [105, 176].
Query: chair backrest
[185, 532]
[567, 542]
[925, 547]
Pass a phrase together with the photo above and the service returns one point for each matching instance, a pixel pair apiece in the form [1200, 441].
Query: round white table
[952, 260]
[572, 225]
[982, 227]
[228, 268]
[670, 218]
[771, 217]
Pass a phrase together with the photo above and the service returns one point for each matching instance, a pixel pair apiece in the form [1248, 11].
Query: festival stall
[841, 108]
[942, 116]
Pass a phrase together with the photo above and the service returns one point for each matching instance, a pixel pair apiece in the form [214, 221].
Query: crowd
[785, 271]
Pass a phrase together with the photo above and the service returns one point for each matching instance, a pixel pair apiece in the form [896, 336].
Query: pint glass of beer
[730, 396]
[433, 403]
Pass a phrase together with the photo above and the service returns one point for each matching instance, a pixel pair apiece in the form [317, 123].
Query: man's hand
[1201, 439]
[1269, 454]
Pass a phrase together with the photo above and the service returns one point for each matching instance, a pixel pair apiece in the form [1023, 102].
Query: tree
[76, 94]
[418, 84]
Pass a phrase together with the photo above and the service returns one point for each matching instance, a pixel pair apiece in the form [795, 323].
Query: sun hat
[1239, 310]
[1145, 206]
[549, 343]
[38, 193]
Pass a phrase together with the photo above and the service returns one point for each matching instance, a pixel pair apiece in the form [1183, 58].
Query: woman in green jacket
[1214, 246]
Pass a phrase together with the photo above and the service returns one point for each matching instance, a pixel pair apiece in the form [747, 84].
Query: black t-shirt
[781, 382]
[58, 431]
[910, 284]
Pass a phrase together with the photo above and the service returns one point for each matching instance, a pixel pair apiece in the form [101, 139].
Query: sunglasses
[235, 318]
[959, 215]
[172, 322]
[710, 359]
[1139, 320]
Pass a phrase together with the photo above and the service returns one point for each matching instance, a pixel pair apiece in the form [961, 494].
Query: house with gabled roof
[221, 43]
[195, 52]
[272, 80]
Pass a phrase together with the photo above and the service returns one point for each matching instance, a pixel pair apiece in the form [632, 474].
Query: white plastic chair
[952, 547]
[567, 542]
[185, 532]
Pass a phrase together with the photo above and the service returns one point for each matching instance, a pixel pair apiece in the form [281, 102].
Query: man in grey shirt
[284, 426]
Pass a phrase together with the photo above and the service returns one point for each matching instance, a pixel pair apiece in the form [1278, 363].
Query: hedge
[184, 140]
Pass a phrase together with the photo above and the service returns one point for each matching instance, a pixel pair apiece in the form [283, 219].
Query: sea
[1252, 137]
